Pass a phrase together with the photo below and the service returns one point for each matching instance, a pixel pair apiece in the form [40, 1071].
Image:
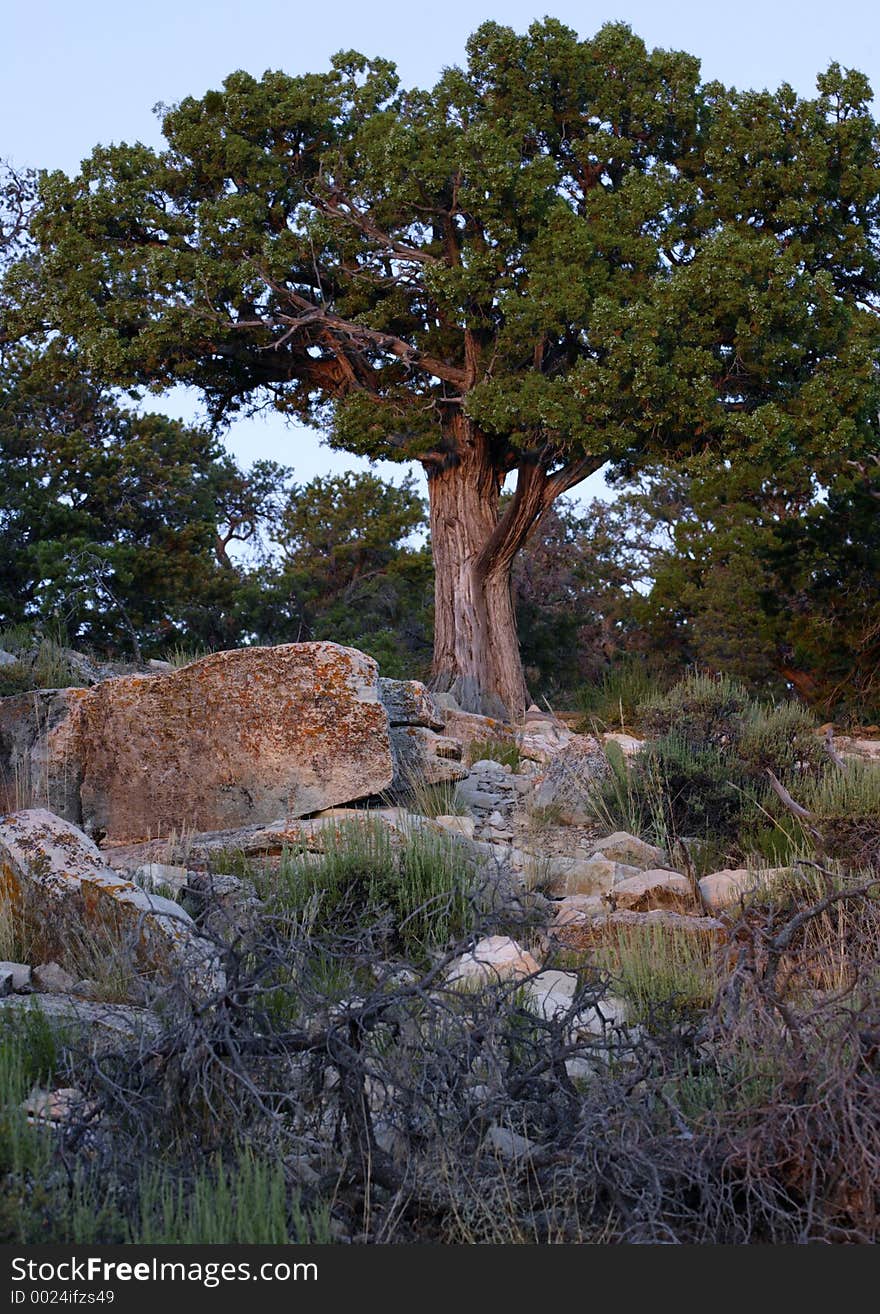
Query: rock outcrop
[239, 737]
[569, 778]
[235, 739]
[56, 880]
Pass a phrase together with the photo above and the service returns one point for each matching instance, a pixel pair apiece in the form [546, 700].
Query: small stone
[5, 984]
[493, 959]
[509, 1144]
[457, 825]
[7, 659]
[20, 974]
[154, 876]
[622, 847]
[654, 889]
[52, 979]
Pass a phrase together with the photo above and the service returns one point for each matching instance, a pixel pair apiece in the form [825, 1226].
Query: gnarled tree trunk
[476, 648]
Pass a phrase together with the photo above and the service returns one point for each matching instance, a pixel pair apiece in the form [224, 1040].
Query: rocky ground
[151, 816]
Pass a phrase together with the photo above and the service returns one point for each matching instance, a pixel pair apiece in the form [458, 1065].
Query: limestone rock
[621, 847]
[456, 825]
[550, 993]
[654, 889]
[470, 728]
[102, 1025]
[154, 876]
[238, 737]
[408, 702]
[19, 976]
[569, 778]
[57, 878]
[724, 889]
[40, 761]
[423, 757]
[7, 659]
[627, 744]
[493, 959]
[542, 737]
[595, 875]
[51, 979]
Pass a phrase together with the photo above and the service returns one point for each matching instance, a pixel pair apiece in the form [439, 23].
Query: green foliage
[566, 252]
[113, 521]
[616, 700]
[243, 1202]
[662, 972]
[705, 774]
[344, 567]
[502, 750]
[701, 709]
[41, 662]
[412, 892]
[846, 808]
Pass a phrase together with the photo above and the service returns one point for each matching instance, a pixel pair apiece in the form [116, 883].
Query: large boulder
[237, 738]
[655, 889]
[55, 880]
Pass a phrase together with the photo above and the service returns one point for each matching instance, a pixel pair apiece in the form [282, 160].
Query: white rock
[627, 744]
[629, 849]
[610, 1012]
[550, 993]
[55, 872]
[457, 825]
[158, 875]
[654, 889]
[495, 958]
[509, 1144]
[20, 974]
[7, 659]
[722, 889]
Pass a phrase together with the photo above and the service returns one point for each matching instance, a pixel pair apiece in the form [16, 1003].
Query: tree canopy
[566, 252]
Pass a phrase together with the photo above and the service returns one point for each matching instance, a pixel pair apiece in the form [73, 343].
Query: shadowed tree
[565, 253]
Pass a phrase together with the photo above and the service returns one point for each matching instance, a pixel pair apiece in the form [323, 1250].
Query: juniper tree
[566, 252]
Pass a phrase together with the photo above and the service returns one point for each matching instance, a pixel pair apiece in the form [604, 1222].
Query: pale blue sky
[77, 72]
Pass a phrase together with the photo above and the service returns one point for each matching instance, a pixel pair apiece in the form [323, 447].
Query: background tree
[347, 561]
[564, 253]
[771, 577]
[115, 525]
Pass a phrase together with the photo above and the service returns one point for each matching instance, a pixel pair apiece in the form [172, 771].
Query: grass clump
[615, 702]
[846, 807]
[661, 971]
[498, 749]
[412, 890]
[40, 663]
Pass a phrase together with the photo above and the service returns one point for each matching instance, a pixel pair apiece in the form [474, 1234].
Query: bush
[846, 808]
[709, 710]
[705, 774]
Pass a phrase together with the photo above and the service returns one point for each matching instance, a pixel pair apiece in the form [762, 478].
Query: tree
[115, 524]
[772, 576]
[565, 253]
[344, 564]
